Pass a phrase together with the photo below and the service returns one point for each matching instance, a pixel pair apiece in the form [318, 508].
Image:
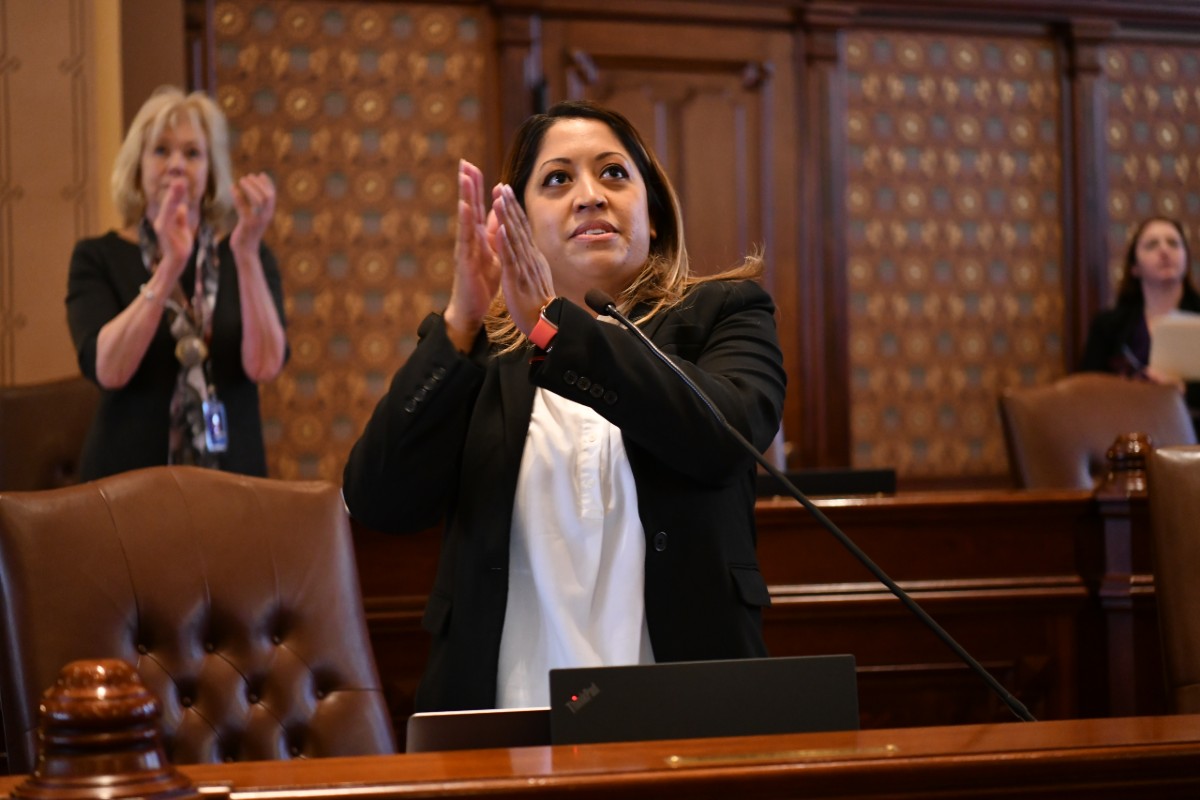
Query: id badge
[216, 433]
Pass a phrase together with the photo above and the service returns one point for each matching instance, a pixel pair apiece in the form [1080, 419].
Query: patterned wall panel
[360, 112]
[1153, 139]
[954, 247]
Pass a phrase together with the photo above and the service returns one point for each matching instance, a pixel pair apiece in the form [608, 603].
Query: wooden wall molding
[48, 177]
[1085, 179]
[824, 432]
[10, 194]
[753, 12]
[1132, 13]
[200, 41]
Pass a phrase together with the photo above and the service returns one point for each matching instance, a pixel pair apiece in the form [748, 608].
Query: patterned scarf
[190, 322]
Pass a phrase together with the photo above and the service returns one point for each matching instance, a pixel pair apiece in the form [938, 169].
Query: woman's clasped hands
[494, 251]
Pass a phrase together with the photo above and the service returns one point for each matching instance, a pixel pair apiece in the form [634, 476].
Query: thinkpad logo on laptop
[582, 698]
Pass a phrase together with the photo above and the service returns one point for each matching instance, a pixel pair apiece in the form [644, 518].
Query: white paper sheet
[1175, 345]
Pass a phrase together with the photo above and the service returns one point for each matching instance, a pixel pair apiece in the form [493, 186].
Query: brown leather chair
[1173, 481]
[42, 428]
[236, 598]
[1058, 434]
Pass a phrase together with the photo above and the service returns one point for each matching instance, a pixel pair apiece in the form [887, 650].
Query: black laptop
[681, 700]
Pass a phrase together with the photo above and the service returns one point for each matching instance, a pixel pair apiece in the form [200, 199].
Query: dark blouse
[1119, 342]
[130, 429]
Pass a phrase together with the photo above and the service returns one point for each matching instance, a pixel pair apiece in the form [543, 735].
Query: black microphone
[600, 302]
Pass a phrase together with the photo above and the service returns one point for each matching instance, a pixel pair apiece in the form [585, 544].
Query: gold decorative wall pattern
[360, 112]
[954, 247]
[1153, 140]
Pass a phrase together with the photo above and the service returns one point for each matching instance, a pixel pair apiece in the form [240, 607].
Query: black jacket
[446, 441]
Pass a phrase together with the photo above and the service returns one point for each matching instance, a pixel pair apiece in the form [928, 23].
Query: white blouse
[576, 565]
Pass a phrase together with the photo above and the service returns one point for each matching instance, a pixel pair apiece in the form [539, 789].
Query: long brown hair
[1129, 290]
[666, 276]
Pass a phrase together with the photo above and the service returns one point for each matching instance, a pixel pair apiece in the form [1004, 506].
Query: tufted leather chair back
[236, 599]
[1058, 434]
[1173, 481]
[42, 429]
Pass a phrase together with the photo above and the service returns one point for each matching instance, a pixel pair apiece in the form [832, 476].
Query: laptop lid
[473, 730]
[742, 697]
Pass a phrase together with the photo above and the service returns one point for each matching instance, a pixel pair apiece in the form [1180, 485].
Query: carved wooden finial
[1126, 475]
[98, 737]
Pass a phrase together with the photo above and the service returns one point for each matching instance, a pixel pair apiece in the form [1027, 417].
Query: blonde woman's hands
[174, 232]
[122, 341]
[254, 201]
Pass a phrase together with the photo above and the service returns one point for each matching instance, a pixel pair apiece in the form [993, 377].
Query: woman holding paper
[1155, 282]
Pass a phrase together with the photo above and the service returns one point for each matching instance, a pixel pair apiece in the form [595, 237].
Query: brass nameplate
[823, 753]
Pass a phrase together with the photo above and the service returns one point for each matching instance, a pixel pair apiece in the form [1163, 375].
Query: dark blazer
[445, 444]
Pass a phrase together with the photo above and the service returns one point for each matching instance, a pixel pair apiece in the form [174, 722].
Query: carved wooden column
[200, 40]
[522, 75]
[1125, 587]
[1086, 176]
[824, 384]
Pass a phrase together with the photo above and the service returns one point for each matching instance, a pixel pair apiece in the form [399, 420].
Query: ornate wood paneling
[360, 111]
[717, 105]
[1152, 130]
[954, 242]
[941, 192]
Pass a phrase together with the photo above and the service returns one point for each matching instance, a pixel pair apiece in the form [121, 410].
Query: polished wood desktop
[1114, 759]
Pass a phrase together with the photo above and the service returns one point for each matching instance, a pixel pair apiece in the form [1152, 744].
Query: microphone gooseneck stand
[602, 304]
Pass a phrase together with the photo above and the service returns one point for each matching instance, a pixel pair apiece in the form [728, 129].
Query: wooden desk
[1051, 591]
[1108, 759]
[1030, 582]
